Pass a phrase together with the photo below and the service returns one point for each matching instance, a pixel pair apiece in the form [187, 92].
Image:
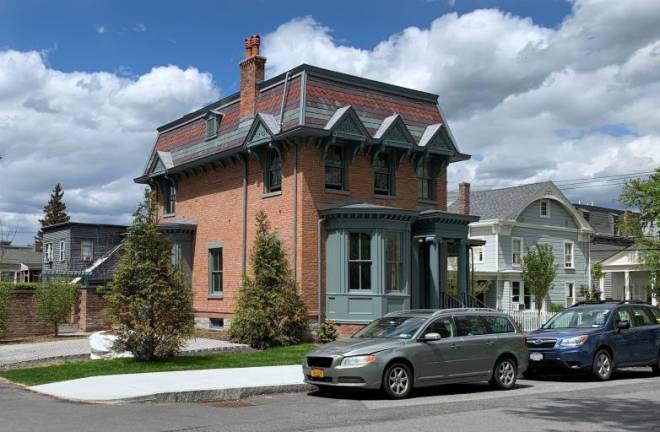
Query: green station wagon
[419, 348]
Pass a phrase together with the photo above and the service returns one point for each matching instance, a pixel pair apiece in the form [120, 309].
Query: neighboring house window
[393, 262]
[425, 183]
[383, 177]
[516, 251]
[273, 171]
[211, 127]
[335, 169]
[568, 255]
[49, 252]
[176, 255]
[216, 323]
[478, 252]
[62, 250]
[170, 198]
[359, 261]
[215, 271]
[515, 293]
[86, 250]
[570, 293]
[545, 208]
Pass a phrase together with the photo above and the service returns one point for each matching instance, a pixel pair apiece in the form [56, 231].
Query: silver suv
[421, 348]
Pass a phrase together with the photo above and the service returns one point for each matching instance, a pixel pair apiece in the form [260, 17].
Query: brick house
[351, 172]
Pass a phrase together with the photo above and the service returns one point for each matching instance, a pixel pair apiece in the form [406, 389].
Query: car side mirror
[430, 337]
[623, 325]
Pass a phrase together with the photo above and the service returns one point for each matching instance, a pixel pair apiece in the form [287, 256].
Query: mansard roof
[306, 100]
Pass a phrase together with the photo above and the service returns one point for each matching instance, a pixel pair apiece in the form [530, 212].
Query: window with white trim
[86, 250]
[570, 293]
[62, 250]
[359, 261]
[569, 256]
[48, 248]
[544, 208]
[516, 251]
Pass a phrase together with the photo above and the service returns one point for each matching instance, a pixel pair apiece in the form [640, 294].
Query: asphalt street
[631, 402]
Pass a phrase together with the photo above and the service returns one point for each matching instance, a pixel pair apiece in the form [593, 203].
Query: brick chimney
[252, 73]
[464, 198]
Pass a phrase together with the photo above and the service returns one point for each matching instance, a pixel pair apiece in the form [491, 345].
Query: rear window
[470, 325]
[499, 324]
[643, 317]
[656, 315]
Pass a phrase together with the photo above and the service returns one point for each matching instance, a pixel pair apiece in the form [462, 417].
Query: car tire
[656, 366]
[602, 366]
[505, 374]
[398, 381]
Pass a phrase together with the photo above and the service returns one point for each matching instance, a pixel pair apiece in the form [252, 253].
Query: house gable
[346, 124]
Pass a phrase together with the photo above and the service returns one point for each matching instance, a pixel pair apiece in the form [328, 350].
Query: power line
[607, 176]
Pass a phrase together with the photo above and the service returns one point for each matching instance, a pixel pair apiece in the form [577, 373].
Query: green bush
[55, 302]
[21, 285]
[269, 311]
[5, 300]
[555, 307]
[150, 301]
[326, 332]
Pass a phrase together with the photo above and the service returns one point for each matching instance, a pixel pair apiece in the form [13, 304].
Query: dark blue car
[597, 338]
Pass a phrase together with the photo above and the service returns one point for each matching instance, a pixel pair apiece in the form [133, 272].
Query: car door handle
[490, 343]
[454, 346]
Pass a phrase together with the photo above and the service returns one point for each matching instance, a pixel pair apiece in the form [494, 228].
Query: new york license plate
[536, 356]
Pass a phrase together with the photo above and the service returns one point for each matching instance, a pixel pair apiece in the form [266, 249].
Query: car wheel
[505, 374]
[602, 366]
[398, 381]
[656, 366]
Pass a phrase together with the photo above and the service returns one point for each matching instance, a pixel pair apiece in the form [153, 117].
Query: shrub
[55, 302]
[326, 332]
[5, 300]
[150, 301]
[555, 307]
[269, 311]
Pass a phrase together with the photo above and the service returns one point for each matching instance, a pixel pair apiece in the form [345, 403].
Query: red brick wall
[215, 200]
[91, 310]
[347, 330]
[23, 320]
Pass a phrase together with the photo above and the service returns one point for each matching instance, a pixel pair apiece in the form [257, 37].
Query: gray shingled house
[19, 263]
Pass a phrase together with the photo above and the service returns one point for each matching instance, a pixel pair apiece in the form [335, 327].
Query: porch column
[434, 273]
[654, 298]
[461, 271]
[601, 287]
[626, 285]
[443, 270]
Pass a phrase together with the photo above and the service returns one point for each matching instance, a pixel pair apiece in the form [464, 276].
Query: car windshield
[392, 328]
[579, 318]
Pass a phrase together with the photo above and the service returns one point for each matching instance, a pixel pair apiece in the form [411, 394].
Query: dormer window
[273, 178]
[545, 209]
[335, 169]
[425, 182]
[211, 126]
[170, 197]
[383, 175]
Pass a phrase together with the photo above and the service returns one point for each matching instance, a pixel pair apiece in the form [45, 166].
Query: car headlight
[356, 361]
[574, 341]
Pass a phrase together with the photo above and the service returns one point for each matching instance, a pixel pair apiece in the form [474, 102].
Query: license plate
[536, 356]
[317, 373]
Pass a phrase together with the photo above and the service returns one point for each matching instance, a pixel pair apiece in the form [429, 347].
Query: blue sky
[535, 89]
[131, 37]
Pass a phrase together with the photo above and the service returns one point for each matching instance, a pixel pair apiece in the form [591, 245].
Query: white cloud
[90, 131]
[100, 29]
[140, 28]
[534, 103]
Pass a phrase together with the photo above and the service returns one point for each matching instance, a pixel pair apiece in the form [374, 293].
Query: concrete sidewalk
[25, 353]
[179, 386]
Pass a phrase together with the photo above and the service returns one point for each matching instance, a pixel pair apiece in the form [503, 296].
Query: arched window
[383, 177]
[425, 181]
[273, 171]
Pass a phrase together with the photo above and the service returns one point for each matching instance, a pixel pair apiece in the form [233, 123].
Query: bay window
[359, 261]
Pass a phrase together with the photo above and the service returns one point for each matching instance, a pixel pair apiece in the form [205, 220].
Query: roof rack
[582, 303]
[436, 312]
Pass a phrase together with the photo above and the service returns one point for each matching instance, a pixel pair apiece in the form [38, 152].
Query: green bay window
[359, 261]
[335, 169]
[215, 272]
[393, 262]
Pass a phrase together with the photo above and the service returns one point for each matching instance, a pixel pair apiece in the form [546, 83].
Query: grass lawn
[85, 368]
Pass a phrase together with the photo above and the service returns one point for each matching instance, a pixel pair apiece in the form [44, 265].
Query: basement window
[216, 323]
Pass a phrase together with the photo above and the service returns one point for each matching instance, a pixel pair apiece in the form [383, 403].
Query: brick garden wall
[91, 317]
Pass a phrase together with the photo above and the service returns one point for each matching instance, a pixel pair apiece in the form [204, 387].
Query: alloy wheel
[603, 365]
[506, 373]
[398, 381]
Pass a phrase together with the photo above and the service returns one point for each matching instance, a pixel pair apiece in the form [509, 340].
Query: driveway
[14, 354]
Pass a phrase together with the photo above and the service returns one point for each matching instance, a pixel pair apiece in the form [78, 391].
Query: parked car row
[419, 348]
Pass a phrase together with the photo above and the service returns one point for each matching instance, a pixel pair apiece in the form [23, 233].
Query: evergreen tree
[150, 300]
[270, 311]
[54, 211]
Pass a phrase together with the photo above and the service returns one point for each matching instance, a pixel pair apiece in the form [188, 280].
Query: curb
[194, 396]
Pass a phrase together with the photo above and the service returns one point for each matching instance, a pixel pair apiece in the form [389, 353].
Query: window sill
[209, 138]
[271, 194]
[385, 197]
[169, 215]
[337, 191]
[427, 201]
[216, 296]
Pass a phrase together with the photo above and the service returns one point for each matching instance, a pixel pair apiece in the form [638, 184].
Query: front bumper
[557, 359]
[368, 376]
